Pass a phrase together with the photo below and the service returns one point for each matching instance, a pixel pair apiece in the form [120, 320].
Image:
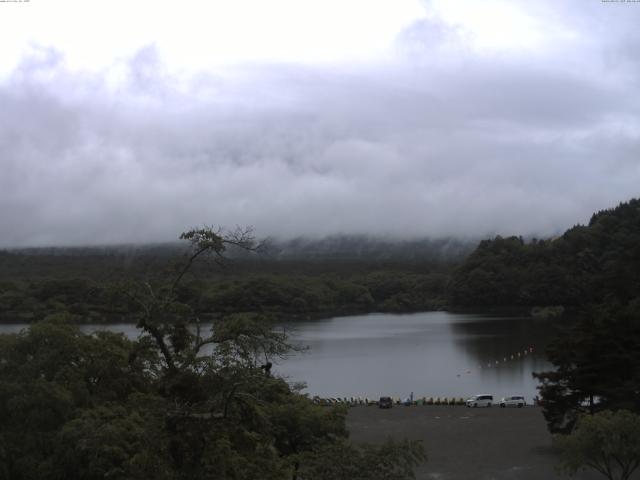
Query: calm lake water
[430, 354]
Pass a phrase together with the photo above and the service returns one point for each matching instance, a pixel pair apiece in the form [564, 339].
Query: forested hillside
[342, 275]
[587, 264]
[301, 278]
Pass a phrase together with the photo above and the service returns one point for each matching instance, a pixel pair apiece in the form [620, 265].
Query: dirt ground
[467, 443]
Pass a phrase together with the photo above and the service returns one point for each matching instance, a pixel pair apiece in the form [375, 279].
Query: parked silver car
[483, 400]
[513, 401]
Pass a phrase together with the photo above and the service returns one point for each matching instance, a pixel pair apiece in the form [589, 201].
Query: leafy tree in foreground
[177, 403]
[606, 442]
[597, 366]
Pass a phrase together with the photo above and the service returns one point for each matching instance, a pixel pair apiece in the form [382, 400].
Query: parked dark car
[385, 402]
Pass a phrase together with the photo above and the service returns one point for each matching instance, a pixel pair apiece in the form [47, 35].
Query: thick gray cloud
[442, 140]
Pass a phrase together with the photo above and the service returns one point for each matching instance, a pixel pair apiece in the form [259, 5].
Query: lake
[430, 354]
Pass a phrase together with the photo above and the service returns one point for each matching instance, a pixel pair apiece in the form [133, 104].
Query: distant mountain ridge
[361, 247]
[332, 248]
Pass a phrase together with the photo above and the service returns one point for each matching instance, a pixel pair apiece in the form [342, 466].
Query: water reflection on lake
[430, 354]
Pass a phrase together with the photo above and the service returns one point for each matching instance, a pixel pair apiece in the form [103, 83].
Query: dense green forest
[293, 280]
[341, 275]
[587, 264]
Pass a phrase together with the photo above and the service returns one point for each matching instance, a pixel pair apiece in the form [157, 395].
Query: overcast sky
[130, 121]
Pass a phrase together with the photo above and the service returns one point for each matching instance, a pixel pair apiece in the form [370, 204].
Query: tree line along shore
[588, 264]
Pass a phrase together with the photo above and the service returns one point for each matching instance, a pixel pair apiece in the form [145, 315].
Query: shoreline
[287, 316]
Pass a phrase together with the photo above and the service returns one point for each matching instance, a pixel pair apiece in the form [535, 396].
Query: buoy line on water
[519, 355]
[355, 401]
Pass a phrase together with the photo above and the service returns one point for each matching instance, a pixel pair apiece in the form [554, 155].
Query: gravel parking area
[467, 443]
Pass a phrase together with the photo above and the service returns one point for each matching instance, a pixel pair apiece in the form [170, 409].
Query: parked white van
[483, 400]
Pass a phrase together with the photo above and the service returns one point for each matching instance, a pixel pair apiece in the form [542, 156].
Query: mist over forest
[443, 129]
[205, 205]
